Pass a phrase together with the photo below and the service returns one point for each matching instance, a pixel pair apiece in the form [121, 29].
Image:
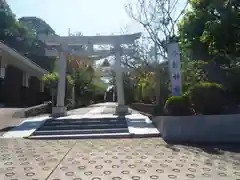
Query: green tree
[83, 82]
[210, 31]
[39, 25]
[193, 73]
[50, 81]
[18, 36]
[146, 86]
[128, 87]
[13, 32]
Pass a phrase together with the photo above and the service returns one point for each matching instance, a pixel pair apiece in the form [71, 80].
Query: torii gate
[64, 45]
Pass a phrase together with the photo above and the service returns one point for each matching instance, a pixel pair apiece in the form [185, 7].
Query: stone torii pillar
[121, 108]
[60, 109]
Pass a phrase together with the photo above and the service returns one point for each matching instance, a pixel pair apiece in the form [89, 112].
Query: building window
[2, 68]
[25, 80]
[41, 86]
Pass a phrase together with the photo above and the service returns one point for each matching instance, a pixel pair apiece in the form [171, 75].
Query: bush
[207, 98]
[178, 106]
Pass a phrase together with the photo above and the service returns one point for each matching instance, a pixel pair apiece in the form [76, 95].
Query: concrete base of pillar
[121, 110]
[59, 111]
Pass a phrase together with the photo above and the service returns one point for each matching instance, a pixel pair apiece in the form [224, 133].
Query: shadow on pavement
[5, 129]
[24, 126]
[216, 149]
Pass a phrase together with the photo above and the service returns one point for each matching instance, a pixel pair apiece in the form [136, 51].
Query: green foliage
[70, 80]
[83, 78]
[88, 85]
[39, 25]
[146, 87]
[128, 88]
[50, 80]
[99, 88]
[18, 36]
[178, 106]
[207, 97]
[210, 31]
[192, 73]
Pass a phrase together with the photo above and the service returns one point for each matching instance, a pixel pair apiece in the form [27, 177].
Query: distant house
[110, 94]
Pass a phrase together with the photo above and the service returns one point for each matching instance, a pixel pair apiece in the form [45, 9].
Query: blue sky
[87, 16]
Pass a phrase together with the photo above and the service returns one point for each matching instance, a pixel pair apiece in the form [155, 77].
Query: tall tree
[159, 19]
[39, 25]
[18, 36]
[13, 32]
[210, 31]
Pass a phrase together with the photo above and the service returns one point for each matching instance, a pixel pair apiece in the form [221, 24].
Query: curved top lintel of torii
[91, 55]
[86, 40]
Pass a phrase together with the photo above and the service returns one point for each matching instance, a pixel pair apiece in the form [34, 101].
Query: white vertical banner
[174, 60]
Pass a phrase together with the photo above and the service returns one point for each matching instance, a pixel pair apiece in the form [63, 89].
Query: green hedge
[207, 98]
[178, 106]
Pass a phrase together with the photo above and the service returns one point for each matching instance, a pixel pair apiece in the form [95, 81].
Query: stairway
[82, 127]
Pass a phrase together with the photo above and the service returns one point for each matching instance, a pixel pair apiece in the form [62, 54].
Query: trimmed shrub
[207, 98]
[178, 106]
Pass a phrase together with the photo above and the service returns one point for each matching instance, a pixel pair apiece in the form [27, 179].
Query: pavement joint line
[61, 160]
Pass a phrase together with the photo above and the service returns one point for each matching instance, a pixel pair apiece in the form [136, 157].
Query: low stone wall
[34, 111]
[199, 129]
[145, 108]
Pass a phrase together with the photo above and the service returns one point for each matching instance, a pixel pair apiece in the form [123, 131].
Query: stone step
[93, 136]
[84, 121]
[84, 136]
[79, 132]
[82, 126]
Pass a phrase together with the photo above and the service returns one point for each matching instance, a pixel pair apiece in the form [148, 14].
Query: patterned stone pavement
[7, 121]
[114, 159]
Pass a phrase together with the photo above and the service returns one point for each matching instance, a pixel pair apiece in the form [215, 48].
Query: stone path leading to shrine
[95, 121]
[115, 159]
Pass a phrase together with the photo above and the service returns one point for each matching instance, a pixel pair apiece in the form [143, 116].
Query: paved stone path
[73, 125]
[114, 159]
[6, 119]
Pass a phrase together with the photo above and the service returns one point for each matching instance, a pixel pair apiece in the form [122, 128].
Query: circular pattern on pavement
[116, 159]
